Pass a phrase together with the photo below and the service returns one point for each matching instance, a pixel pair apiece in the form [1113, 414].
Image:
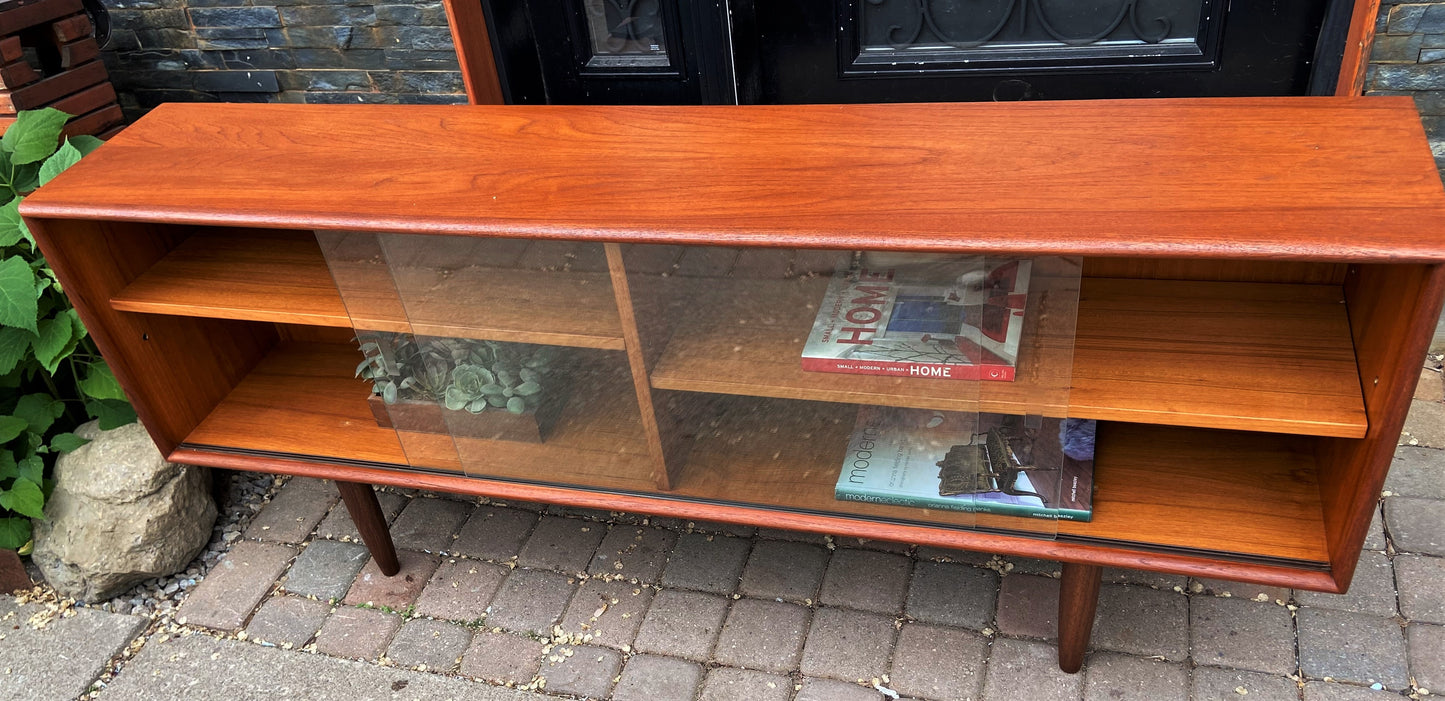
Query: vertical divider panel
[1392, 310]
[669, 447]
[151, 354]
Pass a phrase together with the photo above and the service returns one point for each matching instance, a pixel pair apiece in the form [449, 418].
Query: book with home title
[917, 315]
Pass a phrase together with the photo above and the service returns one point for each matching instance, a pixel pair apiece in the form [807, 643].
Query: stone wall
[318, 51]
[367, 51]
[1409, 59]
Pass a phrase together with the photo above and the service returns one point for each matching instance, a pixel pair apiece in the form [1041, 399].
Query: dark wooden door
[830, 51]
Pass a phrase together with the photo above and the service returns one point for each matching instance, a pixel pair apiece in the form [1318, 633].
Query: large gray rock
[120, 514]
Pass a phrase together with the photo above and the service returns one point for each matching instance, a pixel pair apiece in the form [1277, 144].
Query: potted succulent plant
[471, 388]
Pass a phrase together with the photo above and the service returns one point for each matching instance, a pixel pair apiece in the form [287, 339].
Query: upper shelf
[282, 276]
[1306, 178]
[1246, 356]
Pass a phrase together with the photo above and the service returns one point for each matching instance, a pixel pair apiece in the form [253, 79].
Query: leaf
[65, 157]
[8, 468]
[14, 533]
[100, 383]
[112, 413]
[10, 427]
[24, 498]
[75, 322]
[527, 389]
[455, 399]
[55, 334]
[32, 468]
[17, 294]
[85, 143]
[14, 343]
[12, 227]
[388, 393]
[34, 134]
[39, 411]
[66, 442]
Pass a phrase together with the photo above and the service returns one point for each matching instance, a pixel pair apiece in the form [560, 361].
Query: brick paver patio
[494, 598]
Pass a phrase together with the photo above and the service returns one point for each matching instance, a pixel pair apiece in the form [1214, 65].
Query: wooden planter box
[531, 426]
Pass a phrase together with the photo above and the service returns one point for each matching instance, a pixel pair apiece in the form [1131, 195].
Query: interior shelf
[282, 276]
[1250, 495]
[302, 401]
[1246, 356]
[250, 274]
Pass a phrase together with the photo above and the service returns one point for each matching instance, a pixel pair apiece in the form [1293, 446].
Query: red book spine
[892, 368]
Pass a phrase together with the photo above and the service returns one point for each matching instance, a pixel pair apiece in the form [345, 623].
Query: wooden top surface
[1276, 178]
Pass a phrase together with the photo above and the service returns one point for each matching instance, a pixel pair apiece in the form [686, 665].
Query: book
[988, 463]
[919, 315]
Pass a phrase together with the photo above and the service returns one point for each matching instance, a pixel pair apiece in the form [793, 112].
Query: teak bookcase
[1261, 277]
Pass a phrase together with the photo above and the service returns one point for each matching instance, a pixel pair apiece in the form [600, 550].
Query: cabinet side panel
[174, 369]
[1216, 270]
[1393, 309]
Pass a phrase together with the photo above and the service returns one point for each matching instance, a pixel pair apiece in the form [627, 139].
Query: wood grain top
[1271, 178]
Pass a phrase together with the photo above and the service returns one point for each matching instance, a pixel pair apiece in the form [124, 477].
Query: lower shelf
[1240, 495]
[302, 400]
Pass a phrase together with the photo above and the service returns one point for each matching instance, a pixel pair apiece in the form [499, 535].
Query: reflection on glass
[894, 425]
[626, 32]
[684, 372]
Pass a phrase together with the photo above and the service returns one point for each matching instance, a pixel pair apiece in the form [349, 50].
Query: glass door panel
[881, 385]
[527, 340]
[395, 369]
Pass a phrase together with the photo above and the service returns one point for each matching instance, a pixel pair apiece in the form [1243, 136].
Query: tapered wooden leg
[1078, 597]
[366, 513]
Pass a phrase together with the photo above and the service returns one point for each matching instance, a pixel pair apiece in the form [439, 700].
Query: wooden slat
[97, 122]
[302, 400]
[1261, 357]
[74, 53]
[71, 28]
[21, 14]
[56, 87]
[282, 276]
[11, 49]
[1247, 494]
[1302, 178]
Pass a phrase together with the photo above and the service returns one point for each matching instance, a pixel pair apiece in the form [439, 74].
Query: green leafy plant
[52, 378]
[464, 375]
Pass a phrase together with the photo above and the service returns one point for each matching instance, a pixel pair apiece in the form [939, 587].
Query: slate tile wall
[316, 51]
[1409, 59]
[368, 51]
